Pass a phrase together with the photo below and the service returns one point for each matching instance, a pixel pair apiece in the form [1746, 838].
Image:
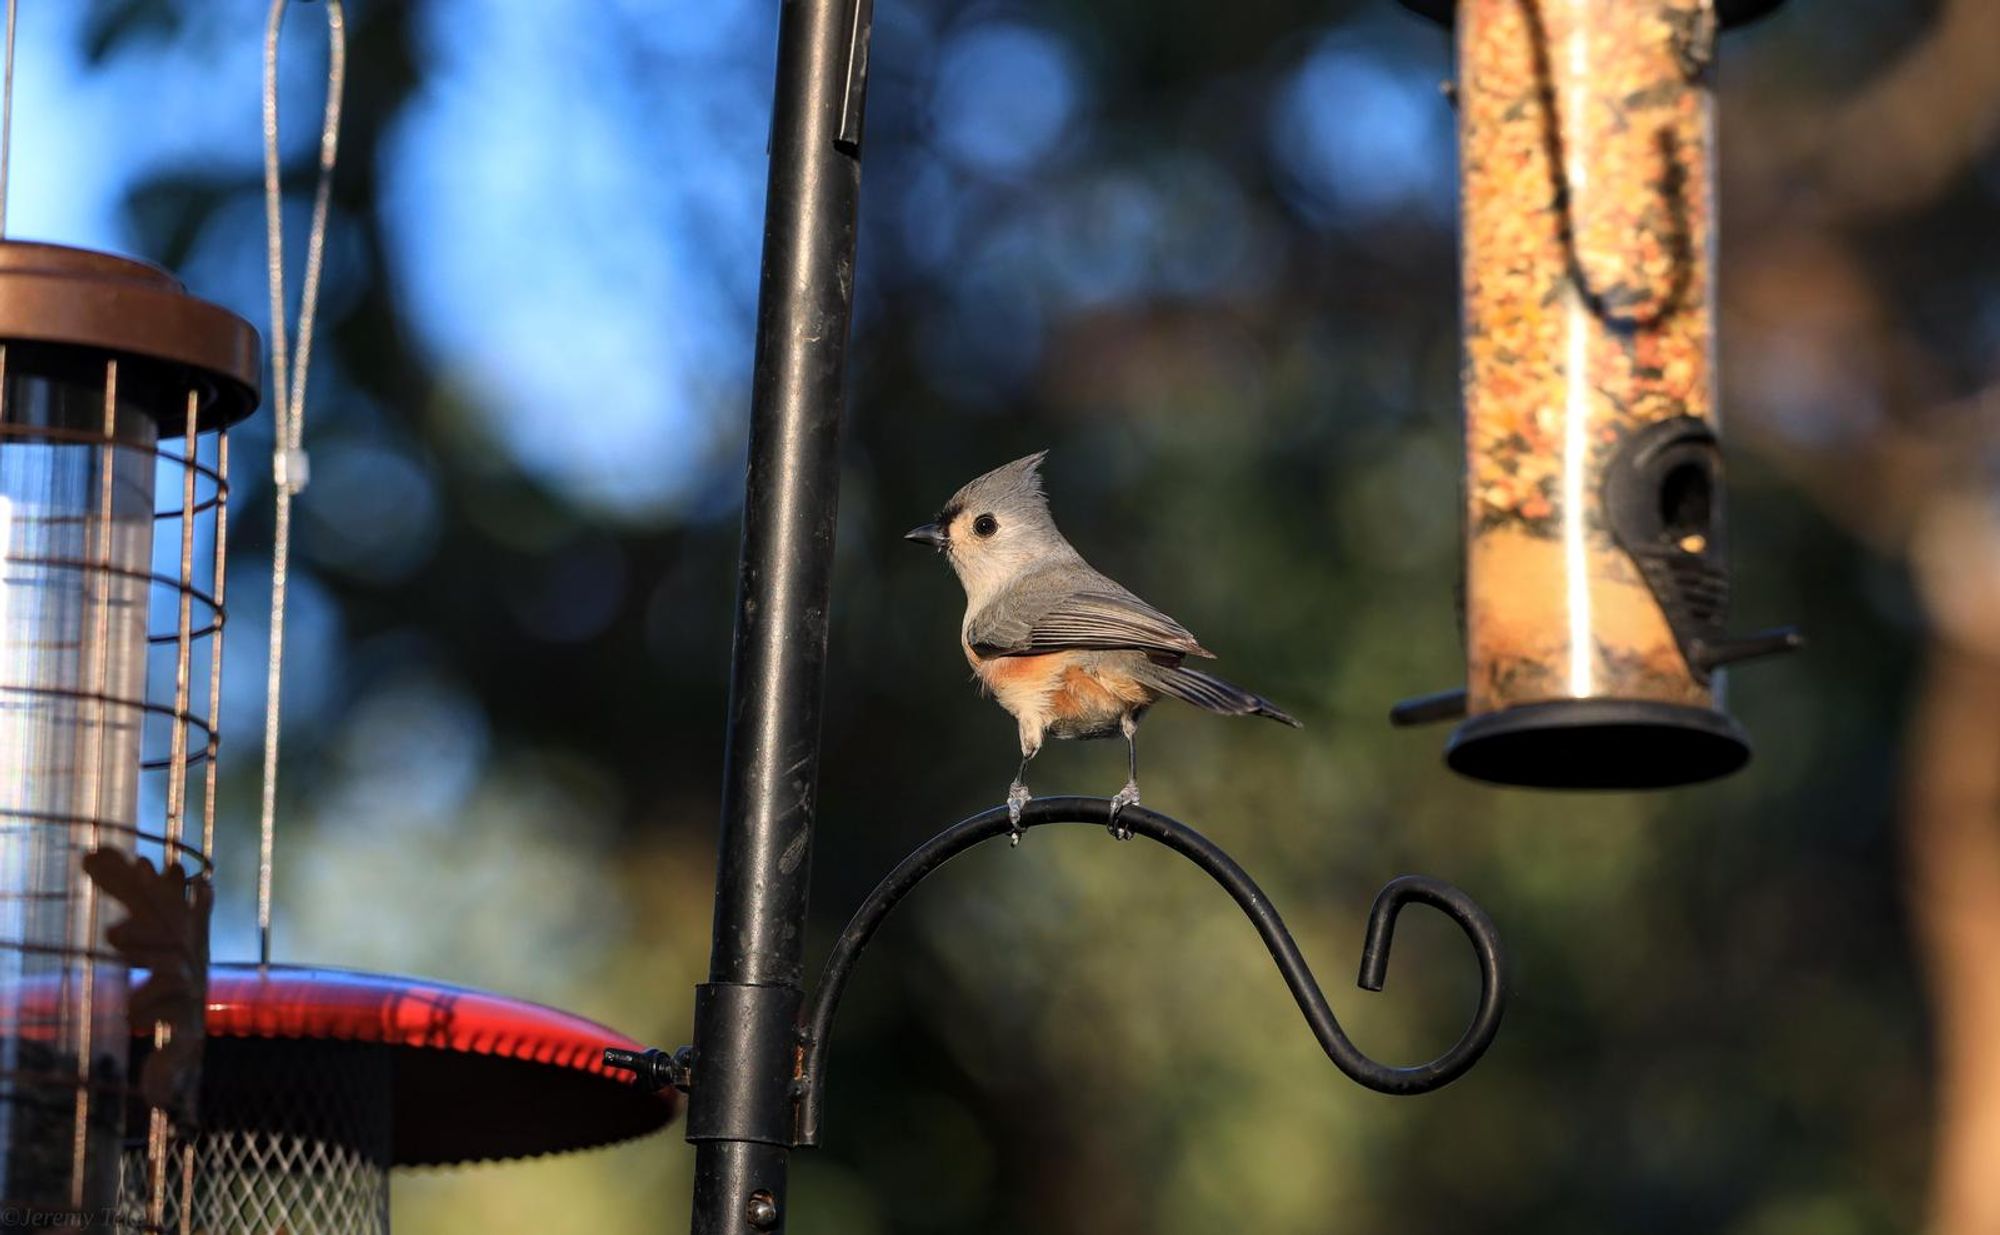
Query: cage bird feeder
[1596, 582]
[115, 389]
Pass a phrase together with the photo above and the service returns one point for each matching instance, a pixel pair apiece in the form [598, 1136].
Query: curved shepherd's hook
[1202, 852]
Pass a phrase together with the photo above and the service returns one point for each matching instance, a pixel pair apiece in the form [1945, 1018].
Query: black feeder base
[1731, 12]
[1598, 744]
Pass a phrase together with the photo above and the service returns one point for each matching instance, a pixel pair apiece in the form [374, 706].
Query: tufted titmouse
[1067, 651]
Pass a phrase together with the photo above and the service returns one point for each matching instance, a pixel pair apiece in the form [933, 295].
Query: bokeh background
[1205, 253]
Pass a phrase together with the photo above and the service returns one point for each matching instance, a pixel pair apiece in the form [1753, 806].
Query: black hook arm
[1190, 844]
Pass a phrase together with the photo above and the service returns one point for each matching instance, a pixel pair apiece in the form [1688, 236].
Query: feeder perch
[109, 374]
[1596, 583]
[317, 1081]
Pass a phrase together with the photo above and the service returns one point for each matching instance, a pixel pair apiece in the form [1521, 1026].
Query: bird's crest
[1009, 485]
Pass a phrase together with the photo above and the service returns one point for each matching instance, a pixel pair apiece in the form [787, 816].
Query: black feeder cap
[1598, 744]
[1732, 12]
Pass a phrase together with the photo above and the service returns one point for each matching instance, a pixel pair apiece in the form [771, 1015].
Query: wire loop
[288, 392]
[1612, 303]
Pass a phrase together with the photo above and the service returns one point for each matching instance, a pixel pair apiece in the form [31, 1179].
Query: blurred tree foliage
[1204, 252]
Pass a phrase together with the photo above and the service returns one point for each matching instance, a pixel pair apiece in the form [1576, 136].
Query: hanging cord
[7, 120]
[288, 461]
[1694, 52]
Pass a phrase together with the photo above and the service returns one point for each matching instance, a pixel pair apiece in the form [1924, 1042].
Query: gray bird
[1067, 651]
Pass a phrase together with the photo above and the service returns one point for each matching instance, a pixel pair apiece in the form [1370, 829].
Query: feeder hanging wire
[7, 120]
[288, 461]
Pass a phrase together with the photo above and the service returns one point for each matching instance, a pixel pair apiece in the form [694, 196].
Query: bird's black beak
[929, 534]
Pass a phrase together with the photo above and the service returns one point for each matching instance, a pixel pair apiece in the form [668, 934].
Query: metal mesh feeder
[318, 1081]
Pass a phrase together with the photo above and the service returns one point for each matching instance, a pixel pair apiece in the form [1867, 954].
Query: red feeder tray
[469, 1076]
[315, 1082]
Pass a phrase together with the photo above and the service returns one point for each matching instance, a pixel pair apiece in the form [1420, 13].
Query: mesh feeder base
[294, 1142]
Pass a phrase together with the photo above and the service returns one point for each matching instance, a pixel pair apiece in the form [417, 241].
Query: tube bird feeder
[109, 375]
[1596, 584]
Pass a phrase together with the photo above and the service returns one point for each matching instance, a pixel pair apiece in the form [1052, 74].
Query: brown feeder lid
[1731, 12]
[54, 294]
[474, 1076]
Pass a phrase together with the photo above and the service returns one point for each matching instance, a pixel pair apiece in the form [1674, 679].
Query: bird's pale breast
[1070, 694]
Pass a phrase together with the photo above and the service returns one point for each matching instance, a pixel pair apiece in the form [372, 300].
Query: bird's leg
[1017, 797]
[1128, 724]
[1017, 793]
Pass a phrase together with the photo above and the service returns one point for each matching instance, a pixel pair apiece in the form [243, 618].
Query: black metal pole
[746, 1016]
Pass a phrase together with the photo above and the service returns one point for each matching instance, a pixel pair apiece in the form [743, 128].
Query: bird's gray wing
[1051, 615]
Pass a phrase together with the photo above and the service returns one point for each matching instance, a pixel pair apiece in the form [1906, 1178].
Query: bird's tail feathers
[1208, 691]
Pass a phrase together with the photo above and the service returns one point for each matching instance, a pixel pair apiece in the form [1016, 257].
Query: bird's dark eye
[985, 525]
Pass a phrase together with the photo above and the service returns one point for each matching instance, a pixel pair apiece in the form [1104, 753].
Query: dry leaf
[165, 932]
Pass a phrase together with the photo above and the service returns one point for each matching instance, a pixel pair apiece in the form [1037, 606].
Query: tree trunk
[1952, 829]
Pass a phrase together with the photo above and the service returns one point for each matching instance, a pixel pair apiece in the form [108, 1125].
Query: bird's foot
[1017, 797]
[1128, 796]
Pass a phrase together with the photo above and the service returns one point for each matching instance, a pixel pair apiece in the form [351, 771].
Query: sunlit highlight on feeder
[78, 547]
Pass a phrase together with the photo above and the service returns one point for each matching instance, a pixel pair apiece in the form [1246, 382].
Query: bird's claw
[1017, 797]
[1128, 796]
